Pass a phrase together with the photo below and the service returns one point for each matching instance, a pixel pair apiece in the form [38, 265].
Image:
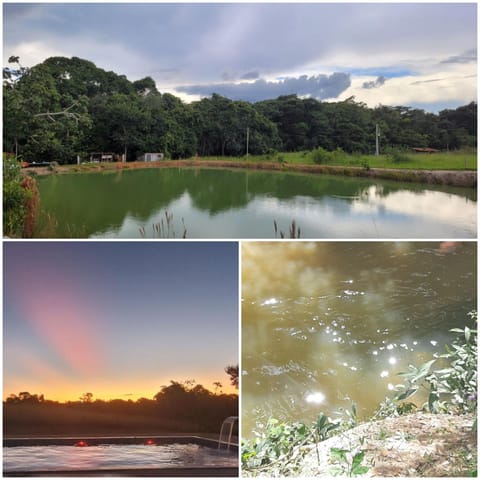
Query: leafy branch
[65, 113]
[453, 387]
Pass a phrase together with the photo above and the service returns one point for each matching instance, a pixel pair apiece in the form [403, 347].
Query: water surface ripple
[325, 324]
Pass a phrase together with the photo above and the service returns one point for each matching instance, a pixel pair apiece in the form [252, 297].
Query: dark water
[244, 204]
[325, 324]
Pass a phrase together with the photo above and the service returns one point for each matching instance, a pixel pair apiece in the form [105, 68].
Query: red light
[81, 443]
[149, 442]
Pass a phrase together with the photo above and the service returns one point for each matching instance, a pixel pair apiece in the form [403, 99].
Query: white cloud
[195, 44]
[31, 53]
[441, 86]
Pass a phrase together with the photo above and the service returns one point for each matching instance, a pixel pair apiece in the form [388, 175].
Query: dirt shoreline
[416, 445]
[455, 178]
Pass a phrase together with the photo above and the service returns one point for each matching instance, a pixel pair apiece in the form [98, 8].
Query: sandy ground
[458, 178]
[417, 445]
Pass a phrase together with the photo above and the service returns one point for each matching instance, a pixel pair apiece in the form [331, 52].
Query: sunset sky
[421, 55]
[118, 319]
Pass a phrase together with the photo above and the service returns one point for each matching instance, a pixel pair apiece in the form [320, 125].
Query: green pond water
[211, 203]
[327, 324]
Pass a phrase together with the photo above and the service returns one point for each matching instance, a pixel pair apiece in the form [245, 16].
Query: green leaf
[423, 370]
[407, 394]
[321, 420]
[360, 470]
[338, 454]
[357, 459]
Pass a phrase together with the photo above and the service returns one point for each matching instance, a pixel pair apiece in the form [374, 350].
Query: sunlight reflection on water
[56, 457]
[347, 343]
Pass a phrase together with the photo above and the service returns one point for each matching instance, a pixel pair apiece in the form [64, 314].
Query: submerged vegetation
[345, 447]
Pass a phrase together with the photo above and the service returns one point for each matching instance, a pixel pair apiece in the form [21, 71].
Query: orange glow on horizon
[63, 392]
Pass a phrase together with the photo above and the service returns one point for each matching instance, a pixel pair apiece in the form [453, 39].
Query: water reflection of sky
[372, 214]
[71, 458]
[347, 339]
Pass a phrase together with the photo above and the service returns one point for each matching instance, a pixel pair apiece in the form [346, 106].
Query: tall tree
[232, 372]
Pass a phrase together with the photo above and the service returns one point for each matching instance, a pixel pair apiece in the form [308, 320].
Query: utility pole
[377, 136]
[248, 135]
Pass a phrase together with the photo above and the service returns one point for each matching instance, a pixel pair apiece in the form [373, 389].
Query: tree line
[180, 406]
[64, 108]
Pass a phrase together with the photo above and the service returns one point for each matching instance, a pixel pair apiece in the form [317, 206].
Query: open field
[108, 418]
[436, 169]
[463, 160]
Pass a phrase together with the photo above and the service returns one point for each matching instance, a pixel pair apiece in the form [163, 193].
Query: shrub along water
[278, 448]
[20, 200]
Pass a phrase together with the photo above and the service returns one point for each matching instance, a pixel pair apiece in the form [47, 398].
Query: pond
[210, 203]
[327, 324]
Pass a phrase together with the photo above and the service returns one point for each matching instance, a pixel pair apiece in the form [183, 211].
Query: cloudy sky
[118, 320]
[421, 55]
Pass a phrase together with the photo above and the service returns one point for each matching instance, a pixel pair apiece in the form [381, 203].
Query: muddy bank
[455, 178]
[417, 445]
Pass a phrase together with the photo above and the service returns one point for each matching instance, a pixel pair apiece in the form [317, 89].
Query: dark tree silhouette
[232, 372]
[87, 397]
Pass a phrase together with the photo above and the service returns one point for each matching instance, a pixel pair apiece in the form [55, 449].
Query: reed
[165, 228]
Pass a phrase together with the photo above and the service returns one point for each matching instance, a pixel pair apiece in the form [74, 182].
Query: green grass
[464, 160]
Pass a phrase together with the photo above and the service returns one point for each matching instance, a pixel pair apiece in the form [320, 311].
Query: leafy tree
[221, 128]
[232, 372]
[43, 124]
[65, 107]
[26, 397]
[145, 86]
[288, 113]
[118, 124]
[459, 127]
[87, 397]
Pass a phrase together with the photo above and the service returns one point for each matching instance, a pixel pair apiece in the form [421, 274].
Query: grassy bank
[406, 173]
[463, 160]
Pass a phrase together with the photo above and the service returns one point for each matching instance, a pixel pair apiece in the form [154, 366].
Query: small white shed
[150, 157]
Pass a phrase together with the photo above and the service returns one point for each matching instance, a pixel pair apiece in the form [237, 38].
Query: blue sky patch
[387, 72]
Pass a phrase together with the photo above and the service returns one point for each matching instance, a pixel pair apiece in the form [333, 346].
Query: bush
[321, 156]
[276, 450]
[397, 156]
[15, 198]
[29, 184]
[453, 388]
[271, 153]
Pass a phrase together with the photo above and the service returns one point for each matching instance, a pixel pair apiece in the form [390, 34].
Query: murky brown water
[328, 323]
